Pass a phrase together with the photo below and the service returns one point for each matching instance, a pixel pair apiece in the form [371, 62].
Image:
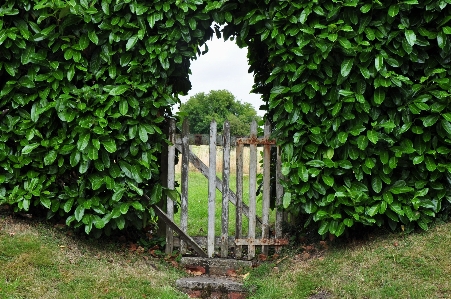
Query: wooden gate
[182, 143]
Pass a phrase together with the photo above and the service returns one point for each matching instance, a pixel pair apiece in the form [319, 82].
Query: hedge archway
[357, 92]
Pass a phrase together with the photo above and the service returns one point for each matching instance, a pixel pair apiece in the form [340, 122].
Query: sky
[225, 66]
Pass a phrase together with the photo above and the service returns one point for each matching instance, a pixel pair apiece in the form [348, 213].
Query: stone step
[211, 287]
[215, 266]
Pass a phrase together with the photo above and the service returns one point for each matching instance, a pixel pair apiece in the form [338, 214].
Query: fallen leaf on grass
[262, 257]
[132, 247]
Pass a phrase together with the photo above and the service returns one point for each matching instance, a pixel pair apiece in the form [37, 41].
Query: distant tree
[219, 105]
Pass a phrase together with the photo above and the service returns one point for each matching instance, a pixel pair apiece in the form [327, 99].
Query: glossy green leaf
[346, 67]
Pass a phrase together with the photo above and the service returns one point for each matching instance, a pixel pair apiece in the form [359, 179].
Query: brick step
[209, 287]
[214, 266]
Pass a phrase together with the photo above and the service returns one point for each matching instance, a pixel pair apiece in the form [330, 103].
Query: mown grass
[39, 261]
[387, 266]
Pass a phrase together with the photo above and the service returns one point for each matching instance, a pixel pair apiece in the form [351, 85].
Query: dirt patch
[321, 295]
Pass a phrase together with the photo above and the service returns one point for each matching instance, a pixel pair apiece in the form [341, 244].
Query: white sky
[225, 66]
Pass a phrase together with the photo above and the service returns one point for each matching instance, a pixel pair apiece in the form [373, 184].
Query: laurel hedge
[357, 91]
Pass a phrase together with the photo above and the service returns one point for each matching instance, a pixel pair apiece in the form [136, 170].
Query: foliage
[360, 101]
[219, 105]
[85, 88]
[358, 93]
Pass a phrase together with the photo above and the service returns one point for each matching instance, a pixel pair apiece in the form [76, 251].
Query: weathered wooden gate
[182, 143]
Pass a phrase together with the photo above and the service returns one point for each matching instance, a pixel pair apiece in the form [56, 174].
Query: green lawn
[40, 261]
[390, 265]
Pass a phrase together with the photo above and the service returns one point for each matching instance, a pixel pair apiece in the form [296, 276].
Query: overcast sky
[225, 66]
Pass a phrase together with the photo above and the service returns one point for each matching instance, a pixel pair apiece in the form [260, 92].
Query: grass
[39, 261]
[386, 266]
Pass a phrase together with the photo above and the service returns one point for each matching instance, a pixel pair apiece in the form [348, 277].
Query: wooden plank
[202, 241]
[184, 181]
[252, 189]
[225, 190]
[212, 190]
[262, 242]
[266, 186]
[175, 227]
[239, 199]
[204, 139]
[279, 196]
[204, 170]
[170, 185]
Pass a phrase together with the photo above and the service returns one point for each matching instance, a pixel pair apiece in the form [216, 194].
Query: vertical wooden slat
[239, 199]
[279, 195]
[212, 191]
[266, 186]
[170, 185]
[252, 189]
[225, 189]
[184, 183]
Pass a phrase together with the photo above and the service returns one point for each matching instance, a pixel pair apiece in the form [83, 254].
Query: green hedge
[86, 88]
[360, 100]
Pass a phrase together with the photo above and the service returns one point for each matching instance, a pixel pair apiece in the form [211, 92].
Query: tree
[219, 105]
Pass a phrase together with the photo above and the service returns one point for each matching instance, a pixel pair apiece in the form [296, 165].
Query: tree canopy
[219, 105]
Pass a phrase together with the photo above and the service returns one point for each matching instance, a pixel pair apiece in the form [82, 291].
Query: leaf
[430, 163]
[124, 208]
[346, 67]
[29, 148]
[376, 183]
[410, 37]
[93, 37]
[46, 202]
[328, 180]
[68, 205]
[123, 107]
[430, 120]
[323, 228]
[50, 157]
[131, 42]
[393, 10]
[379, 96]
[79, 212]
[362, 142]
[447, 126]
[342, 137]
[379, 62]
[417, 160]
[109, 145]
[372, 211]
[83, 141]
[143, 134]
[372, 136]
[286, 200]
[118, 90]
[340, 229]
